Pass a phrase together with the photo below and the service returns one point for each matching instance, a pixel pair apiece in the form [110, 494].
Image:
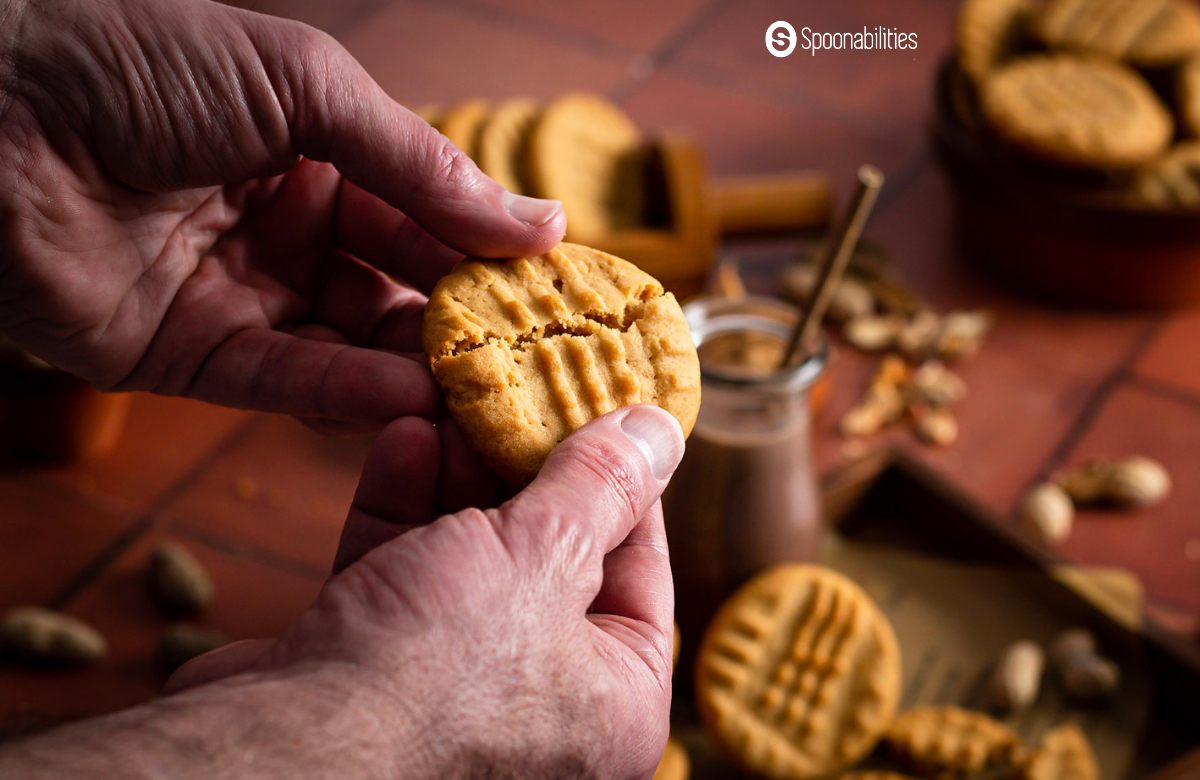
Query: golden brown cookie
[461, 124]
[798, 673]
[587, 153]
[674, 764]
[529, 349]
[1088, 113]
[1188, 96]
[1147, 33]
[1063, 754]
[1172, 181]
[949, 742]
[988, 31]
[504, 141]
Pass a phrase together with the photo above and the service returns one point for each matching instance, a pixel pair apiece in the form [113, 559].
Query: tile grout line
[144, 521]
[1100, 394]
[556, 32]
[252, 552]
[662, 55]
[1165, 390]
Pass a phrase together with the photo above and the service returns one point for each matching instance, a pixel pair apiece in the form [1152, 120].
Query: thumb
[599, 482]
[335, 112]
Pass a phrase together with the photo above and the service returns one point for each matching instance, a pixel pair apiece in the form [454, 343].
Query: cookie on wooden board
[504, 142]
[674, 764]
[798, 674]
[586, 152]
[461, 124]
[1063, 754]
[953, 742]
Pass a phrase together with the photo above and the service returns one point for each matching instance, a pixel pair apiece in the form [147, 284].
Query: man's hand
[533, 640]
[165, 224]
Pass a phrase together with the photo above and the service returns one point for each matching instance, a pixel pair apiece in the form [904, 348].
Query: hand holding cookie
[532, 640]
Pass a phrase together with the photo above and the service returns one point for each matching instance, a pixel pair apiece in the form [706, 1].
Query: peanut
[41, 635]
[178, 582]
[1131, 482]
[935, 425]
[1085, 675]
[873, 333]
[1047, 512]
[183, 642]
[917, 339]
[1017, 677]
[851, 298]
[936, 385]
[962, 334]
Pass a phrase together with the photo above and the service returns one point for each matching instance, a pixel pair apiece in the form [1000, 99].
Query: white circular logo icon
[781, 39]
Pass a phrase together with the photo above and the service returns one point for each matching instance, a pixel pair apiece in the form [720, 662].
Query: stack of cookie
[645, 199]
[621, 194]
[1106, 93]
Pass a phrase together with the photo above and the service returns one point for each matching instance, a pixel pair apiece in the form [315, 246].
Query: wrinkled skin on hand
[532, 640]
[160, 229]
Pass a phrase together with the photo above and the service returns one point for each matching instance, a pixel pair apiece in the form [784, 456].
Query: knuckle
[621, 479]
[445, 164]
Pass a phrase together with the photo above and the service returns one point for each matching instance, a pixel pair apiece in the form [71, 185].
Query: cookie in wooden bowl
[1077, 112]
[1144, 33]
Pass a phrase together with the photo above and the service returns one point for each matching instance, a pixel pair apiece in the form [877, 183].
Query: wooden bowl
[1058, 235]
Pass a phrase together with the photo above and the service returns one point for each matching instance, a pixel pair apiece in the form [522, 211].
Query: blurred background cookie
[953, 742]
[504, 140]
[1142, 32]
[1172, 181]
[461, 124]
[1079, 112]
[588, 153]
[989, 31]
[798, 674]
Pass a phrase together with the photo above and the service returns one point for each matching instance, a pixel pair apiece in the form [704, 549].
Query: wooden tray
[890, 501]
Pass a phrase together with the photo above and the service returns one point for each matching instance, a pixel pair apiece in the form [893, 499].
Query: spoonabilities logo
[781, 39]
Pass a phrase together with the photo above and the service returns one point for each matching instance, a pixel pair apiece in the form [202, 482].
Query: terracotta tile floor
[261, 499]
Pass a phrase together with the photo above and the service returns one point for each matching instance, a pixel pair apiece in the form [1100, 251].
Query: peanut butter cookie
[951, 742]
[461, 124]
[1172, 181]
[1145, 33]
[1079, 112]
[504, 140]
[988, 31]
[587, 153]
[1188, 96]
[528, 350]
[674, 764]
[799, 673]
[1064, 754]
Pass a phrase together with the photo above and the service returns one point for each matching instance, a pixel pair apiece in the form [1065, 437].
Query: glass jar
[745, 496]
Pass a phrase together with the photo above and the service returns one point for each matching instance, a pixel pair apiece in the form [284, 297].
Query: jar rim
[710, 317]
